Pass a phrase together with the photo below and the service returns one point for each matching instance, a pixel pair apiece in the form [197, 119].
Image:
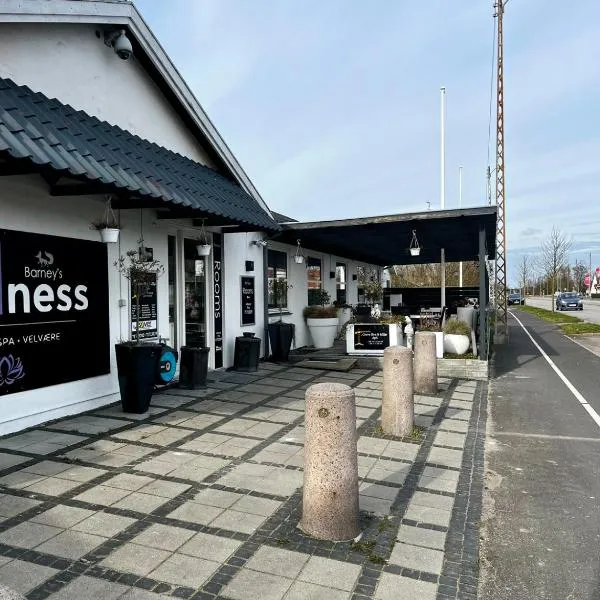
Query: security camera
[120, 43]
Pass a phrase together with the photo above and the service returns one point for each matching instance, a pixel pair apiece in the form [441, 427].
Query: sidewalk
[200, 498]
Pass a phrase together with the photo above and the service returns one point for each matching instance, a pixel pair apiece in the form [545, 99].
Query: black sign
[371, 336]
[148, 311]
[218, 298]
[53, 311]
[248, 303]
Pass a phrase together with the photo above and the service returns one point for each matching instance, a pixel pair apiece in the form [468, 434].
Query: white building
[82, 125]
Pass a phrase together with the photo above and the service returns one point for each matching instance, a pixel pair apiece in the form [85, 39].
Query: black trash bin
[247, 353]
[193, 367]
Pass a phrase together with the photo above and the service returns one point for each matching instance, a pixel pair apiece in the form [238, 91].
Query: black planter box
[281, 336]
[136, 367]
[193, 369]
[247, 353]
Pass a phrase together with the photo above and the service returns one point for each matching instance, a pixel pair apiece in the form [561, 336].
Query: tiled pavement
[200, 498]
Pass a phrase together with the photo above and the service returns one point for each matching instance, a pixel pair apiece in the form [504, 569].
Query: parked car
[569, 301]
[515, 298]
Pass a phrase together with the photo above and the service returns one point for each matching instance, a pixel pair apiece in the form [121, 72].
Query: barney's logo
[53, 310]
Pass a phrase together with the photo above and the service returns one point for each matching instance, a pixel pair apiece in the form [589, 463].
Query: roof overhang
[150, 54]
[385, 240]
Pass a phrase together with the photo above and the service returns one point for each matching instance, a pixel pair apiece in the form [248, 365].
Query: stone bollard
[398, 405]
[330, 494]
[425, 363]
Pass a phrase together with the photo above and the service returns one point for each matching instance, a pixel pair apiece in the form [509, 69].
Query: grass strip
[580, 328]
[547, 315]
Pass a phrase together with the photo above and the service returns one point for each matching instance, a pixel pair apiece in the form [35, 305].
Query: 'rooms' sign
[53, 310]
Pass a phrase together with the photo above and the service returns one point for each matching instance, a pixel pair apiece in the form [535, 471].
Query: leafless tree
[554, 256]
[579, 273]
[525, 270]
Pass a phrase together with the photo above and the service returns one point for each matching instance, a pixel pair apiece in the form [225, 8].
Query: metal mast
[501, 307]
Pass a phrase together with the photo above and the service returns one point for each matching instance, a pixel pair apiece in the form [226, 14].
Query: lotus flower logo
[11, 369]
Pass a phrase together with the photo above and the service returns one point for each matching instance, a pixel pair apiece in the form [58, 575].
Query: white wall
[68, 62]
[26, 206]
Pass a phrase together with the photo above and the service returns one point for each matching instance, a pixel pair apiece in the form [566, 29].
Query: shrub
[456, 327]
[320, 312]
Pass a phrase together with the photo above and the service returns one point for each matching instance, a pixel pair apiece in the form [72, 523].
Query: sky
[332, 107]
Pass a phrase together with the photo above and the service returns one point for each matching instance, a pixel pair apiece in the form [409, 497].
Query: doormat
[340, 364]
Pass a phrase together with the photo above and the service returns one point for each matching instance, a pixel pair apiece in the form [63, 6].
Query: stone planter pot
[109, 235]
[323, 331]
[456, 344]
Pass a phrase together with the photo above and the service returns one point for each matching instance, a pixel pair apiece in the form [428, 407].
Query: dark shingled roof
[53, 135]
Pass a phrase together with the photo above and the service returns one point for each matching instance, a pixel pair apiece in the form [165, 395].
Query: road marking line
[595, 416]
[545, 436]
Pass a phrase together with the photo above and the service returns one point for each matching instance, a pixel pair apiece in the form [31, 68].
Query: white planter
[203, 249]
[439, 344]
[455, 344]
[323, 331]
[298, 259]
[344, 315]
[415, 251]
[109, 235]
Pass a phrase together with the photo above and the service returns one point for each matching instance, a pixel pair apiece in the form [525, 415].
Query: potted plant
[137, 361]
[203, 246]
[457, 337]
[373, 291]
[108, 225]
[322, 321]
[281, 335]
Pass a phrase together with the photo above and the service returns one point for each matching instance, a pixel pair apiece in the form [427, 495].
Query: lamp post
[460, 265]
[443, 185]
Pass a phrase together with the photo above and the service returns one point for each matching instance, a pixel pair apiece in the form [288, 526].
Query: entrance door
[194, 294]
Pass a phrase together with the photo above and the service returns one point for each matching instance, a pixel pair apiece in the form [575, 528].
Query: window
[340, 283]
[313, 270]
[276, 269]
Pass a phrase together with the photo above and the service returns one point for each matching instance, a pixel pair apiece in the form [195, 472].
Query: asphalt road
[541, 528]
[590, 312]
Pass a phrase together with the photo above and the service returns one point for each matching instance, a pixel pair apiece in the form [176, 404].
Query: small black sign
[248, 302]
[371, 336]
[148, 312]
[218, 298]
[53, 310]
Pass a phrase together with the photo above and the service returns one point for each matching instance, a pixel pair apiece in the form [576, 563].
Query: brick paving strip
[201, 498]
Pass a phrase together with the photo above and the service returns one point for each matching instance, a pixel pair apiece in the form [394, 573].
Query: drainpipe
[266, 299]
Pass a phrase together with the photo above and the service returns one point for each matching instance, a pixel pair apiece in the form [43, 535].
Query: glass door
[194, 294]
[173, 293]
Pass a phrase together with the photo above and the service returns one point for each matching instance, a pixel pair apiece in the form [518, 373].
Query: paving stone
[454, 425]
[426, 514]
[20, 479]
[90, 588]
[15, 505]
[52, 486]
[445, 457]
[433, 500]
[192, 512]
[62, 516]
[232, 520]
[256, 506]
[328, 572]
[396, 587]
[301, 590]
[185, 571]
[46, 467]
[71, 544]
[401, 450]
[446, 438]
[163, 537]
[139, 560]
[145, 503]
[23, 576]
[378, 491]
[262, 478]
[28, 535]
[218, 498]
[254, 585]
[211, 547]
[419, 536]
[127, 481]
[104, 524]
[459, 394]
[165, 489]
[377, 506]
[10, 460]
[277, 561]
[457, 414]
[439, 485]
[418, 558]
[137, 594]
[102, 494]
[461, 404]
[369, 445]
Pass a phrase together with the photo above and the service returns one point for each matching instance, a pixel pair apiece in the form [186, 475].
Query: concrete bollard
[398, 405]
[425, 363]
[330, 494]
